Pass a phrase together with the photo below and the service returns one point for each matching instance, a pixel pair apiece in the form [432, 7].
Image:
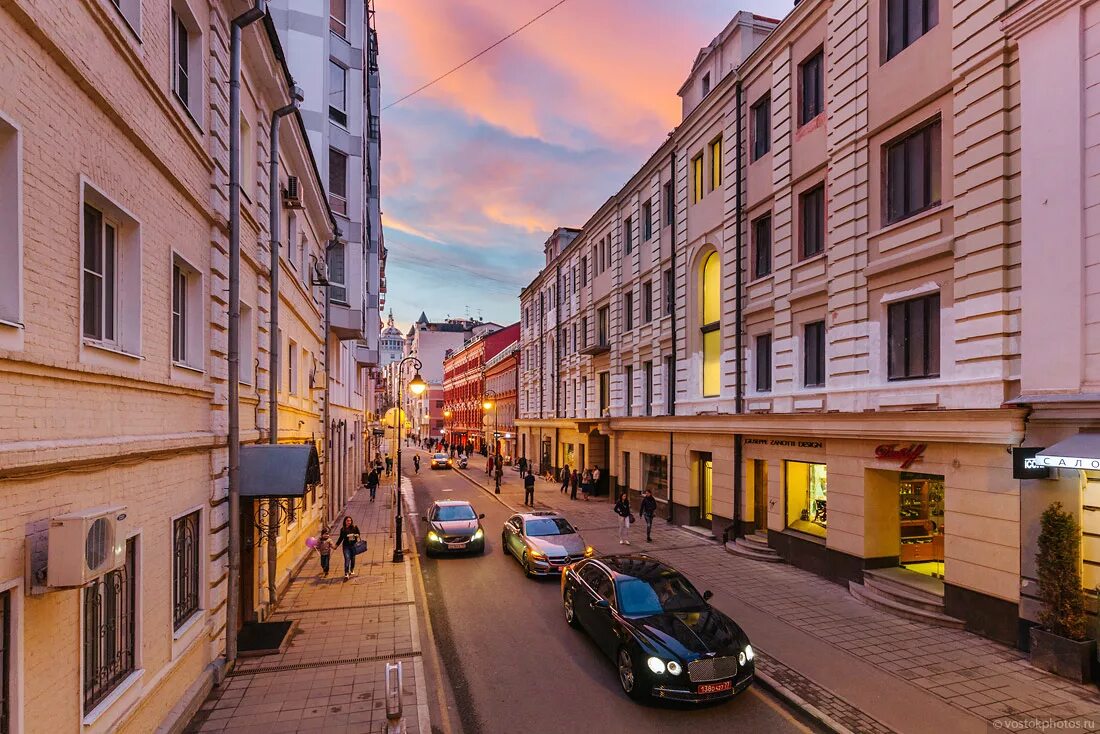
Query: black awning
[278, 470]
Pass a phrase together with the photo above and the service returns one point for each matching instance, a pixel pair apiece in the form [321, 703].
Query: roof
[423, 318]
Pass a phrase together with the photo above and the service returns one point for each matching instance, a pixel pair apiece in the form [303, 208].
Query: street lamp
[447, 429]
[487, 404]
[417, 386]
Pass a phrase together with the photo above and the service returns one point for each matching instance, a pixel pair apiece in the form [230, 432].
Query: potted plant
[1060, 645]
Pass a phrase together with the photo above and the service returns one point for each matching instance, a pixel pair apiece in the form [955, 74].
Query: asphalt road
[514, 665]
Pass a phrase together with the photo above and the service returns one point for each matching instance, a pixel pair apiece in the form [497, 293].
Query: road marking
[780, 710]
[446, 490]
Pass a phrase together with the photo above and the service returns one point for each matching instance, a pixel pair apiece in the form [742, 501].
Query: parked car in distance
[543, 542]
[664, 637]
[453, 527]
[441, 461]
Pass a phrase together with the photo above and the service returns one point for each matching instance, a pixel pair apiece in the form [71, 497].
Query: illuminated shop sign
[784, 442]
[1027, 465]
[904, 454]
[1068, 462]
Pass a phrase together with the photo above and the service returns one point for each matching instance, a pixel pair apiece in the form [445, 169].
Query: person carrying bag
[626, 517]
[352, 545]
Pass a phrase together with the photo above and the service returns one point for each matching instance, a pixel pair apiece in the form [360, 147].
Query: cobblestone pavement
[986, 679]
[331, 678]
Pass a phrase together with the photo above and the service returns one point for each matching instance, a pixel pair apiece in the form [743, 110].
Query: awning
[1076, 452]
[278, 470]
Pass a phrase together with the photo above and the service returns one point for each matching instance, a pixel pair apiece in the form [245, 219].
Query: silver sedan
[543, 542]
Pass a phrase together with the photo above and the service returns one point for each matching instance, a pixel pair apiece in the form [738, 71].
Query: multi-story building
[113, 349]
[799, 320]
[464, 388]
[501, 381]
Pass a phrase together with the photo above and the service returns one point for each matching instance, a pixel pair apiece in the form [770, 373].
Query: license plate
[715, 687]
[456, 545]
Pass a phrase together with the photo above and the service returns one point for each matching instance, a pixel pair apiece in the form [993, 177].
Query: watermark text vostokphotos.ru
[1045, 725]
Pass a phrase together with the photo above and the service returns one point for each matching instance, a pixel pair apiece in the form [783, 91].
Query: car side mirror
[481, 516]
[603, 604]
[707, 595]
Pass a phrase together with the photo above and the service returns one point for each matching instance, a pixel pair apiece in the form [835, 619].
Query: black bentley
[663, 636]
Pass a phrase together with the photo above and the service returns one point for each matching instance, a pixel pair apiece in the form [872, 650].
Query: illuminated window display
[806, 497]
[921, 520]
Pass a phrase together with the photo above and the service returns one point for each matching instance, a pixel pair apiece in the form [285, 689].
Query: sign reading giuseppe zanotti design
[905, 454]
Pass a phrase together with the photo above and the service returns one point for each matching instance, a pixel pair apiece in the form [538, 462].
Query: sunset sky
[479, 169]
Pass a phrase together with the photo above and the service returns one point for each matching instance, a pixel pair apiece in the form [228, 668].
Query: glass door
[706, 489]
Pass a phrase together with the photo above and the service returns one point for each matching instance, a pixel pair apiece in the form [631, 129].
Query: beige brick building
[113, 341]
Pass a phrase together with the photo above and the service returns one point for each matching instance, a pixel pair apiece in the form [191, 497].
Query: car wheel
[570, 610]
[526, 566]
[629, 675]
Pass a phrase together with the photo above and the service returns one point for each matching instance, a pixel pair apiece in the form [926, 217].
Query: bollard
[394, 681]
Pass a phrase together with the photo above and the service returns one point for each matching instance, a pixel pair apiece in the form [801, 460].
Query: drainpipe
[233, 601]
[739, 402]
[670, 380]
[273, 211]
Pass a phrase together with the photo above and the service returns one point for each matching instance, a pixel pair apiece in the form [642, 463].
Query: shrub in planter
[1061, 646]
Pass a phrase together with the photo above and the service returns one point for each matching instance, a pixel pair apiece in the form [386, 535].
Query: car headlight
[656, 665]
[741, 658]
[589, 551]
[674, 668]
[432, 537]
[749, 653]
[535, 555]
[479, 534]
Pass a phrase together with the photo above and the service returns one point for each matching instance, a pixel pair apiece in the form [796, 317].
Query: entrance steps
[755, 546]
[905, 594]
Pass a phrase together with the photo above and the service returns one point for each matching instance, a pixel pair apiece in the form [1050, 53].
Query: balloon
[311, 542]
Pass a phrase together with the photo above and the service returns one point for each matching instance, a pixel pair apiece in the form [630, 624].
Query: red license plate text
[714, 687]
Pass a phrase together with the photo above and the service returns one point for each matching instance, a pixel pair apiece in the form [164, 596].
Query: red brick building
[501, 377]
[464, 386]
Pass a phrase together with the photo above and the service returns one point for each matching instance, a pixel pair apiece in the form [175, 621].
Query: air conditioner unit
[292, 195]
[84, 545]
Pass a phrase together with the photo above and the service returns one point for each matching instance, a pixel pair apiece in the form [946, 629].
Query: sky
[480, 168]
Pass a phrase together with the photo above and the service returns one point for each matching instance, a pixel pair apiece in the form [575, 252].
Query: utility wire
[476, 56]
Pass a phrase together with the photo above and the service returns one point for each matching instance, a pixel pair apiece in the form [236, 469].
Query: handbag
[360, 547]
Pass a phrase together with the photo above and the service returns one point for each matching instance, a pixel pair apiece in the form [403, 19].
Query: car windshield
[454, 512]
[666, 593]
[440, 457]
[549, 526]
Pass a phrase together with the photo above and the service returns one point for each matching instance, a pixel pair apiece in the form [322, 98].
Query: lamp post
[416, 386]
[487, 404]
[447, 431]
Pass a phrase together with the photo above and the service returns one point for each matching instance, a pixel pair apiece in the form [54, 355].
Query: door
[247, 611]
[760, 495]
[706, 489]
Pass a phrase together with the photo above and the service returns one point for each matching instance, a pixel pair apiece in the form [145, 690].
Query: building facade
[501, 381]
[799, 320]
[465, 391]
[113, 349]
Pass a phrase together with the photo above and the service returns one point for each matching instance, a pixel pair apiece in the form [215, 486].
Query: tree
[1059, 562]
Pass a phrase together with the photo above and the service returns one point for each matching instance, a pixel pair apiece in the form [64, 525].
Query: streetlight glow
[488, 405]
[417, 386]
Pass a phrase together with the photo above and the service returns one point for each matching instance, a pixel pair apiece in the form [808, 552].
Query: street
[512, 661]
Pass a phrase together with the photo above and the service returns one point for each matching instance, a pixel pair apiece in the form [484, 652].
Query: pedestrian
[498, 474]
[389, 465]
[574, 483]
[622, 509]
[586, 484]
[489, 466]
[349, 538]
[324, 549]
[564, 474]
[595, 479]
[648, 510]
[378, 465]
[372, 483]
[416, 463]
[522, 465]
[529, 489]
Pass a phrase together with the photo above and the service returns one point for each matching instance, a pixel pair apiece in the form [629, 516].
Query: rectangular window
[576, 281]
[647, 220]
[584, 270]
[648, 367]
[670, 386]
[337, 93]
[603, 333]
[109, 630]
[179, 314]
[292, 367]
[716, 165]
[670, 203]
[336, 273]
[584, 330]
[100, 275]
[655, 475]
[628, 390]
[338, 17]
[913, 173]
[338, 181]
[628, 310]
[812, 208]
[762, 246]
[761, 127]
[670, 293]
[764, 363]
[697, 179]
[181, 67]
[628, 234]
[605, 392]
[244, 344]
[813, 354]
[575, 343]
[647, 302]
[706, 84]
[914, 338]
[811, 76]
[185, 568]
[906, 21]
[247, 160]
[807, 490]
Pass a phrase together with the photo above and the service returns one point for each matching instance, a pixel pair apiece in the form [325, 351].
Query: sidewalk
[331, 678]
[855, 668]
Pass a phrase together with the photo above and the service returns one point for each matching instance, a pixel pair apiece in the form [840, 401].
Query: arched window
[710, 315]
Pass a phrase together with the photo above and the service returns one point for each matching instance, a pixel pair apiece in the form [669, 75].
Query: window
[761, 127]
[292, 367]
[186, 315]
[575, 343]
[670, 386]
[812, 207]
[584, 330]
[906, 21]
[244, 345]
[710, 310]
[670, 293]
[813, 354]
[11, 275]
[655, 475]
[716, 165]
[628, 390]
[647, 302]
[670, 203]
[337, 93]
[131, 13]
[913, 173]
[185, 568]
[605, 392]
[628, 310]
[338, 17]
[604, 326]
[811, 75]
[697, 179]
[807, 494]
[584, 270]
[647, 220]
[109, 630]
[706, 84]
[338, 181]
[336, 273]
[186, 53]
[914, 338]
[100, 275]
[648, 369]
[248, 160]
[762, 246]
[576, 282]
[628, 234]
[764, 363]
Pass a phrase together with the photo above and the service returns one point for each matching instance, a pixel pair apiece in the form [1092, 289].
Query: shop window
[913, 336]
[806, 497]
[921, 515]
[711, 312]
[655, 475]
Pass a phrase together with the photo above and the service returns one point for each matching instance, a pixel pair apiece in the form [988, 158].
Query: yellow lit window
[716, 164]
[711, 313]
[697, 179]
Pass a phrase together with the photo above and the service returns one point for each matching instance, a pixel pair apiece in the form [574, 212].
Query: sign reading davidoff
[905, 454]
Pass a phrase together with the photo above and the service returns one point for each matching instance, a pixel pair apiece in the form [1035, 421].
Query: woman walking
[622, 509]
[349, 538]
[648, 510]
[586, 484]
[574, 482]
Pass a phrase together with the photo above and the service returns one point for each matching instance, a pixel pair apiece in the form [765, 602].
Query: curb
[793, 699]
